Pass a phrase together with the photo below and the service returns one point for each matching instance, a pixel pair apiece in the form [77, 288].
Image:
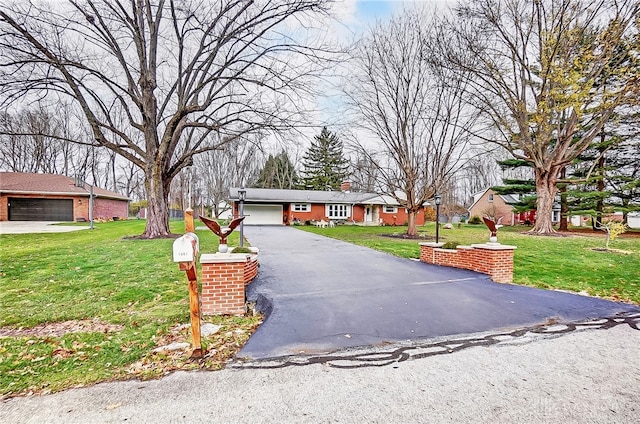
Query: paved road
[589, 376]
[322, 294]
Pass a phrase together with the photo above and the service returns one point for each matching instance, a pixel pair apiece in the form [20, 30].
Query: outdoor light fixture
[242, 195]
[438, 199]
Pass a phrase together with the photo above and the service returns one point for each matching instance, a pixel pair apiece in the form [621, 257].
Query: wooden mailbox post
[185, 251]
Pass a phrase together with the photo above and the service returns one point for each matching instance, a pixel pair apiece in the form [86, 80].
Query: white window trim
[305, 207]
[390, 209]
[490, 198]
[341, 207]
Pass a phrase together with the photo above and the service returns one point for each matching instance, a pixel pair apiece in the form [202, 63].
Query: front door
[367, 214]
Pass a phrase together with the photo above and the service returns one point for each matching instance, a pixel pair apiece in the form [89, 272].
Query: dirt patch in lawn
[57, 329]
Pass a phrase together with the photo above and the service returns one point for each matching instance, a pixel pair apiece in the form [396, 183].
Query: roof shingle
[31, 183]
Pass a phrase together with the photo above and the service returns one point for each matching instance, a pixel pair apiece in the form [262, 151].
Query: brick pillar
[223, 281]
[496, 260]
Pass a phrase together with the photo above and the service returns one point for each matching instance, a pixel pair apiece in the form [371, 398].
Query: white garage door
[263, 214]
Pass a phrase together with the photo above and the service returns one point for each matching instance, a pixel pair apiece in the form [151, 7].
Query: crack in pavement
[349, 359]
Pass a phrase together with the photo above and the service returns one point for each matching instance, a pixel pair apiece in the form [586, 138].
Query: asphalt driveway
[321, 295]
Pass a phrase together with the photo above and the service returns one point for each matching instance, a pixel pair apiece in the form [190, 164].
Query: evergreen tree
[325, 166]
[609, 176]
[278, 172]
[523, 187]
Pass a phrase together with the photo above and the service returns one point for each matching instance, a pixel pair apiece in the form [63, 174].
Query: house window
[337, 211]
[490, 198]
[555, 217]
[390, 209]
[302, 207]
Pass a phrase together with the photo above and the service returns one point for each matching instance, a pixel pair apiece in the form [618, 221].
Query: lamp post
[438, 198]
[242, 195]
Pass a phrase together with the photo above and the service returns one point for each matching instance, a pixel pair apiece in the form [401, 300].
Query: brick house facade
[50, 197]
[275, 206]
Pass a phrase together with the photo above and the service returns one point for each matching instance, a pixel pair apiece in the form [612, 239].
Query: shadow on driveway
[321, 295]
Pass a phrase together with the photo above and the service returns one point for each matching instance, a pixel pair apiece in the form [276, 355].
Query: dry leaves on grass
[58, 329]
[218, 348]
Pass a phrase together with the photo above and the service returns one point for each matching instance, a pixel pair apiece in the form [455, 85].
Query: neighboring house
[498, 206]
[633, 219]
[50, 197]
[275, 206]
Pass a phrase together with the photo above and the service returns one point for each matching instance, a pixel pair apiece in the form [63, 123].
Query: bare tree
[415, 110]
[363, 173]
[179, 71]
[538, 69]
[235, 165]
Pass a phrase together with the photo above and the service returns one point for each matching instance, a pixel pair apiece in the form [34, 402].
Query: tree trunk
[157, 204]
[601, 187]
[546, 192]
[412, 230]
[564, 207]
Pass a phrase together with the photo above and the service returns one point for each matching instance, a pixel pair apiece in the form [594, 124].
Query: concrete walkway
[322, 295]
[32, 227]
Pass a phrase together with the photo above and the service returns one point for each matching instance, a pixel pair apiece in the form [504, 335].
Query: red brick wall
[103, 208]
[223, 288]
[4, 208]
[81, 208]
[357, 213]
[109, 208]
[494, 260]
[401, 217]
[223, 283]
[250, 269]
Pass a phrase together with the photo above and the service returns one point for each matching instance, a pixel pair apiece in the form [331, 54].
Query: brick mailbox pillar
[494, 259]
[224, 276]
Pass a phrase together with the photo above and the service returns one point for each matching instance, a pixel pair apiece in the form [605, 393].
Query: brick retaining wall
[494, 259]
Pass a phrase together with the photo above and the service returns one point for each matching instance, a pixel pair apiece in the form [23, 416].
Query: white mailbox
[186, 248]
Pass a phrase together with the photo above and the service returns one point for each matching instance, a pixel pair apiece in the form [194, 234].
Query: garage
[263, 214]
[34, 209]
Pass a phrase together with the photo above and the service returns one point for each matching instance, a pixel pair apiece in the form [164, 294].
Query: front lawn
[565, 263]
[126, 297]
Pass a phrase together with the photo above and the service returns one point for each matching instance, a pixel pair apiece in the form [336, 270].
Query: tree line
[433, 95]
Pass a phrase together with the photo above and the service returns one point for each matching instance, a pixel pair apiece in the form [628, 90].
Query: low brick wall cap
[431, 244]
[213, 258]
[493, 246]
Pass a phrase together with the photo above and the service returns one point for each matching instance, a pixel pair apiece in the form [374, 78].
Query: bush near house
[475, 220]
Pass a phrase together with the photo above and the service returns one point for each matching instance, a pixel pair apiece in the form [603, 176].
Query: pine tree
[278, 172]
[524, 187]
[325, 166]
[609, 173]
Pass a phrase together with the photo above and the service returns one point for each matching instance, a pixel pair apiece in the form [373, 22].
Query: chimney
[345, 186]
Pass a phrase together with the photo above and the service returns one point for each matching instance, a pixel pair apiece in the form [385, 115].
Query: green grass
[565, 263]
[94, 274]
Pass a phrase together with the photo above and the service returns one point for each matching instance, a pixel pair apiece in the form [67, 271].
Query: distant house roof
[270, 195]
[30, 183]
